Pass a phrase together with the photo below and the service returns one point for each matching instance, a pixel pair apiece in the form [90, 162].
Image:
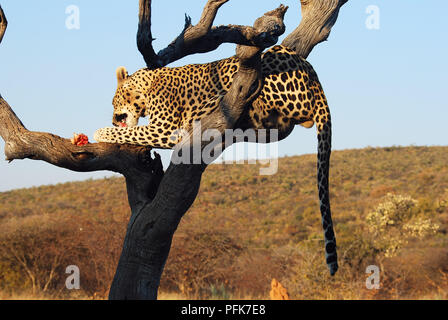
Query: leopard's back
[291, 94]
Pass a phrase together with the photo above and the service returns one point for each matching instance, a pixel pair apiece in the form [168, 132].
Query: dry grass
[171, 296]
[242, 231]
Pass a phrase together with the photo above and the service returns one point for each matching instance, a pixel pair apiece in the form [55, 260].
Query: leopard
[173, 98]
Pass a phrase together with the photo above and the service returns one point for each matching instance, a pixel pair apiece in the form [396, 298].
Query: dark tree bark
[3, 24]
[159, 200]
[202, 37]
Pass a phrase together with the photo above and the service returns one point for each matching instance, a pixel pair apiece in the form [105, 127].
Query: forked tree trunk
[158, 199]
[318, 17]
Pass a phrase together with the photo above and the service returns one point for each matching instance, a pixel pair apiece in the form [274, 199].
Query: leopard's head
[128, 102]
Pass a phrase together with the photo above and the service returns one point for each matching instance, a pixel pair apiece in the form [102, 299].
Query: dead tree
[159, 199]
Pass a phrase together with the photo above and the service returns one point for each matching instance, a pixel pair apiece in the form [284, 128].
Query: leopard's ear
[122, 75]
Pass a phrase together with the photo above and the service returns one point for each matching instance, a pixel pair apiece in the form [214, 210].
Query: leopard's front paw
[103, 135]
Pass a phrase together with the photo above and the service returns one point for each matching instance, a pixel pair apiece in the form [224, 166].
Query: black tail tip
[333, 268]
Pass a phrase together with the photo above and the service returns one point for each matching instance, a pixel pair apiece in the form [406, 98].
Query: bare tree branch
[134, 162]
[3, 24]
[208, 17]
[318, 17]
[203, 37]
[144, 35]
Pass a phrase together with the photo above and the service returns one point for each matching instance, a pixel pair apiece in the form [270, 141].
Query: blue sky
[385, 87]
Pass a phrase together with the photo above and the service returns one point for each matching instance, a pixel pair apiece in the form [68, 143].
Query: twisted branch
[203, 37]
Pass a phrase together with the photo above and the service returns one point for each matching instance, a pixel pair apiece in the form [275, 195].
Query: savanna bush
[199, 261]
[395, 221]
[35, 252]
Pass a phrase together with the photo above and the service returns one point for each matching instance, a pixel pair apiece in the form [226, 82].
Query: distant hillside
[243, 230]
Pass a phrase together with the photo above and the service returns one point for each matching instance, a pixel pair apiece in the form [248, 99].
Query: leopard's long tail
[323, 121]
